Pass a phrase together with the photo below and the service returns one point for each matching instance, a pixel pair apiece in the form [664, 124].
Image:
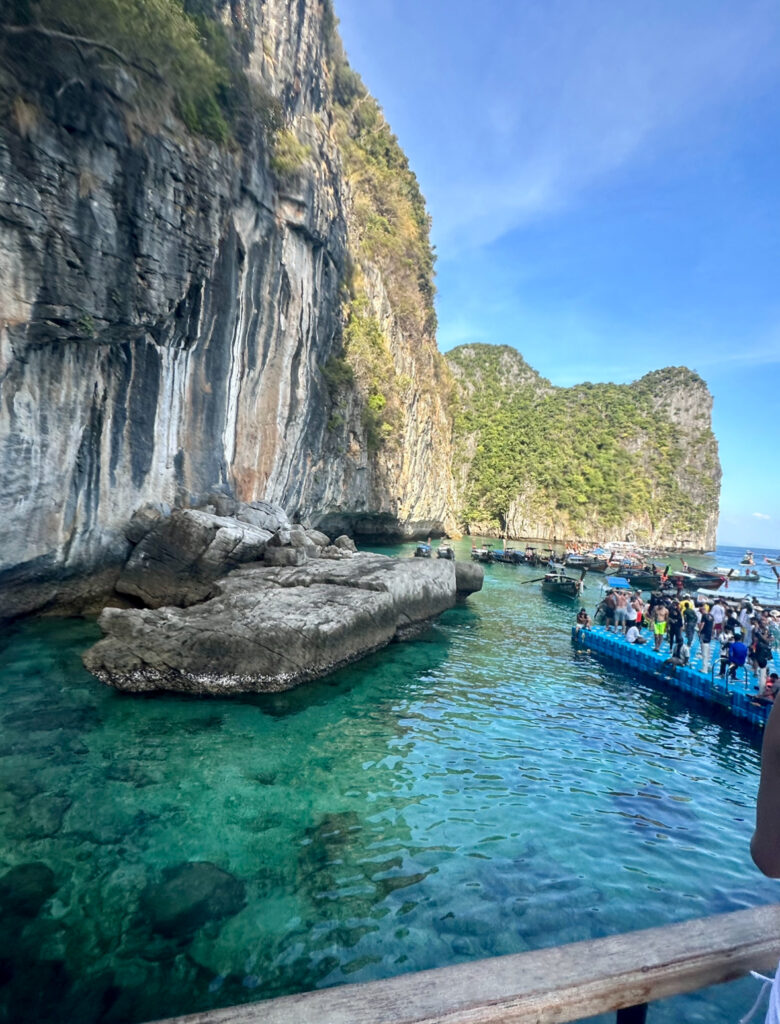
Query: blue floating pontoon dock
[737, 697]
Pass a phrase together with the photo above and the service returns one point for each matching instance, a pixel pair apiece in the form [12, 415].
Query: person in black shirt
[691, 621]
[761, 650]
[706, 627]
[732, 621]
[674, 630]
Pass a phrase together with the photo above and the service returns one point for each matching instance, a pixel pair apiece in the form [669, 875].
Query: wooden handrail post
[632, 1014]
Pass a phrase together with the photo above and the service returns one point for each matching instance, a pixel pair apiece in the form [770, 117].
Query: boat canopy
[618, 583]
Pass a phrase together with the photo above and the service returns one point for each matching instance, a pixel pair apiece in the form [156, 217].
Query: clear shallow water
[482, 790]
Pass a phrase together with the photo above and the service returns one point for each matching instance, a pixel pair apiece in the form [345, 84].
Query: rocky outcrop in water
[269, 629]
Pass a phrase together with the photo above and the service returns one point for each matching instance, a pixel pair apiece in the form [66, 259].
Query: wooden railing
[549, 986]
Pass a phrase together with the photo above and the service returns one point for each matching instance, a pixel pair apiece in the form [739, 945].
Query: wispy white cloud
[763, 350]
[761, 515]
[579, 93]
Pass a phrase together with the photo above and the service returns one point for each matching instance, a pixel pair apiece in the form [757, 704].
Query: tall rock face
[182, 314]
[595, 462]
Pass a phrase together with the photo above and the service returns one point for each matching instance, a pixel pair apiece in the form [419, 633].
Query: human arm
[765, 844]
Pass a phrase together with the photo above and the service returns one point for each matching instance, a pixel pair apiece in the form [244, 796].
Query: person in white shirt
[633, 636]
[744, 620]
[718, 612]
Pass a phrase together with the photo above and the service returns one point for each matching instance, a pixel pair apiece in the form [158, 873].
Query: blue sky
[604, 182]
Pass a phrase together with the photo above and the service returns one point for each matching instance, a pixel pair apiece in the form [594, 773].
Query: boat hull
[555, 590]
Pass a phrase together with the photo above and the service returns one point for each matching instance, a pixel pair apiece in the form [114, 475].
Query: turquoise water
[483, 790]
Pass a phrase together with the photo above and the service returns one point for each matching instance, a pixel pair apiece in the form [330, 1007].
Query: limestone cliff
[216, 280]
[596, 462]
[175, 304]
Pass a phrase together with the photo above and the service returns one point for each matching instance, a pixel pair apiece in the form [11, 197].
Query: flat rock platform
[269, 628]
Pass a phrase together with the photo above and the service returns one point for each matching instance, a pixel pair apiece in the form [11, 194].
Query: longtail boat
[509, 556]
[591, 562]
[746, 576]
[558, 584]
[696, 580]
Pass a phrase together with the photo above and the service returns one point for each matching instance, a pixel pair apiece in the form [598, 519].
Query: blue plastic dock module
[738, 696]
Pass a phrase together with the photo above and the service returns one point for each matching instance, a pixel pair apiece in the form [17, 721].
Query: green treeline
[602, 452]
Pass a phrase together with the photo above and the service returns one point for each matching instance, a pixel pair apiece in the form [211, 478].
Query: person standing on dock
[732, 621]
[659, 615]
[621, 612]
[610, 604]
[719, 615]
[674, 629]
[774, 628]
[706, 627]
[690, 621]
[745, 613]
[639, 608]
[761, 652]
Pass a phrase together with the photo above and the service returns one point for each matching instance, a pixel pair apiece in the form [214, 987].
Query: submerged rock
[271, 628]
[189, 896]
[25, 888]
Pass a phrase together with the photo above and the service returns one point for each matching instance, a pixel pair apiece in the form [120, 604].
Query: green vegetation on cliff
[389, 230]
[173, 47]
[594, 452]
[392, 222]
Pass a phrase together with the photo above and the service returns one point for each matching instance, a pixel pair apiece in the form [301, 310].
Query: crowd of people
[746, 635]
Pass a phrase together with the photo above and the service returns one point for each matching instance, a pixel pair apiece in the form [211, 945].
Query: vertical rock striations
[169, 302]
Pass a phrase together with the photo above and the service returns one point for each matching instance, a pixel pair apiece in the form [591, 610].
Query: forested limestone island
[595, 462]
[216, 289]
